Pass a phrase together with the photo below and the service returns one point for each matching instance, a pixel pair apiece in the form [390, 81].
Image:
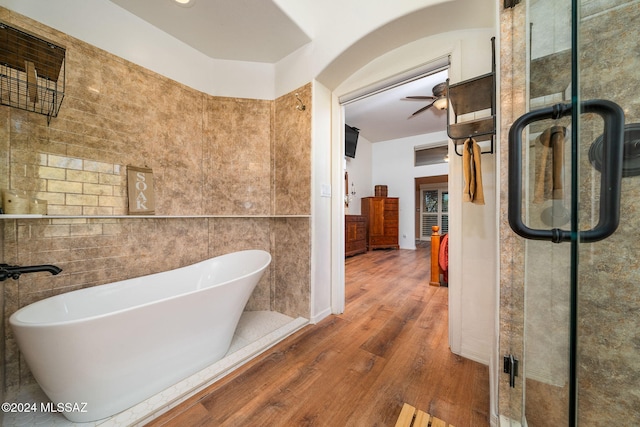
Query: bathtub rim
[15, 322]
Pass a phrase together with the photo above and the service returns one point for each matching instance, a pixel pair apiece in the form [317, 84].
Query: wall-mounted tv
[350, 141]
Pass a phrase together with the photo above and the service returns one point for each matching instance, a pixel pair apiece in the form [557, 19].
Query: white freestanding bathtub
[98, 351]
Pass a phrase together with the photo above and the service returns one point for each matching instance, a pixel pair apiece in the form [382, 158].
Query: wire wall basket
[32, 72]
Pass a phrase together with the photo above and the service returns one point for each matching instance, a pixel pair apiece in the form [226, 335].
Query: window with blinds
[430, 156]
[434, 210]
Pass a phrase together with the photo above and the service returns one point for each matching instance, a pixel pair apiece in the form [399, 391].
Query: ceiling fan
[439, 98]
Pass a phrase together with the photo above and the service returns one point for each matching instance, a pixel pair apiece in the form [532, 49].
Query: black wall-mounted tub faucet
[14, 271]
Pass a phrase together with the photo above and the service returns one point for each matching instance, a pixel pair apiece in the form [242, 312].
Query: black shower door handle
[610, 178]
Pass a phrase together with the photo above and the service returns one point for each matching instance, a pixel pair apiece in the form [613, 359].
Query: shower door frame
[514, 322]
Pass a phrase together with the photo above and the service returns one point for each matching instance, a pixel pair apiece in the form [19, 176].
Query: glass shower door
[577, 204]
[607, 272]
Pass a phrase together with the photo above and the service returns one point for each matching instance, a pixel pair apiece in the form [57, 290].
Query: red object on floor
[443, 257]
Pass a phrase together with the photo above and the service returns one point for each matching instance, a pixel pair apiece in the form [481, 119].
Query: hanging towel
[549, 181]
[472, 173]
[443, 257]
[32, 81]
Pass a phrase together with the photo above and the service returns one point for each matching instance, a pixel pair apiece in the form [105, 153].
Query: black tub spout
[14, 271]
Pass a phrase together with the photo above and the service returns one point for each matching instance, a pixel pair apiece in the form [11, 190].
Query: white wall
[335, 25]
[474, 266]
[360, 175]
[473, 239]
[112, 28]
[321, 199]
[393, 166]
[105, 25]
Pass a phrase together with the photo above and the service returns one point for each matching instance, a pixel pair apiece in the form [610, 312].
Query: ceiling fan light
[440, 103]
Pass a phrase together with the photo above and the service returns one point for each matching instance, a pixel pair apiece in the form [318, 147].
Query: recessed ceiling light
[185, 3]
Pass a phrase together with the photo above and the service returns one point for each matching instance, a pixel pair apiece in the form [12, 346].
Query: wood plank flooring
[355, 369]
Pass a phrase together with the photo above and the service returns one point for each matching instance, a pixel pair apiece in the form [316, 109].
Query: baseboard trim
[506, 422]
[473, 355]
[318, 317]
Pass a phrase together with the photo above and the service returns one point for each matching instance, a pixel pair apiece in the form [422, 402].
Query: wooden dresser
[355, 235]
[382, 221]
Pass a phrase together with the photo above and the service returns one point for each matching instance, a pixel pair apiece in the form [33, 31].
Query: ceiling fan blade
[421, 97]
[421, 110]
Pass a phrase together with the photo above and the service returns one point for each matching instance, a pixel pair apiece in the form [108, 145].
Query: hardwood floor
[355, 369]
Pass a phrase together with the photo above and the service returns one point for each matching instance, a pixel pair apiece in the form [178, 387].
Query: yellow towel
[32, 81]
[549, 181]
[472, 173]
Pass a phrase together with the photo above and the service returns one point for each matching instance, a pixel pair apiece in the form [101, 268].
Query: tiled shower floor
[256, 332]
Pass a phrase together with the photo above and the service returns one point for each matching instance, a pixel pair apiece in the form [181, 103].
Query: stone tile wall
[608, 272]
[215, 160]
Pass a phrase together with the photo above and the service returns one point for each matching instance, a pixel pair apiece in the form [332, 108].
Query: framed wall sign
[140, 186]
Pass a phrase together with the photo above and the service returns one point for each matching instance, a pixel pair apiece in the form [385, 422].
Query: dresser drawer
[383, 240]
